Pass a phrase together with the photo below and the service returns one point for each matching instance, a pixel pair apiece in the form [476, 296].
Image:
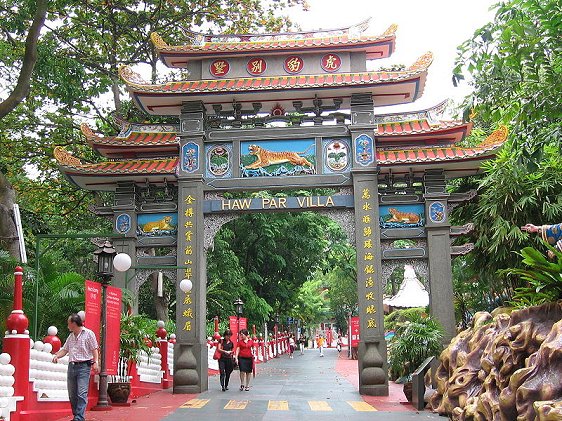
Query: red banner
[354, 332]
[234, 327]
[92, 292]
[113, 332]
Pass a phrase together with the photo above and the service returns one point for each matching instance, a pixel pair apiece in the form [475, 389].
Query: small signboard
[355, 332]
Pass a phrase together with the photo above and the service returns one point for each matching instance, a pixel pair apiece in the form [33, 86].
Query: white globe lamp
[122, 262]
[186, 285]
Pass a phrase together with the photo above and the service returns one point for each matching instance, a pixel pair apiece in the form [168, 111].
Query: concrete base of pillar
[374, 390]
[187, 390]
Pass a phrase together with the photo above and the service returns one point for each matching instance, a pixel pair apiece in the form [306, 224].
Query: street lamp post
[239, 305]
[105, 255]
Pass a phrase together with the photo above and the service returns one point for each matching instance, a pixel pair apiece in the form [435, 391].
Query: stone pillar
[373, 379]
[439, 253]
[190, 351]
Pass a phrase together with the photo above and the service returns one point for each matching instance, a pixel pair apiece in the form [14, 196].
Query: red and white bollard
[17, 342]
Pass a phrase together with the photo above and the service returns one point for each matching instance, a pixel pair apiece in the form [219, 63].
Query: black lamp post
[276, 332]
[105, 255]
[239, 305]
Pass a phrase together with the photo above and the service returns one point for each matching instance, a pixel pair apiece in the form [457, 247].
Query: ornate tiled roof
[407, 128]
[387, 87]
[384, 42]
[148, 166]
[444, 154]
[378, 46]
[384, 157]
[135, 82]
[135, 141]
[131, 138]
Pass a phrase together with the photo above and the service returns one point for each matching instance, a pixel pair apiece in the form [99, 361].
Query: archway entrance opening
[295, 272]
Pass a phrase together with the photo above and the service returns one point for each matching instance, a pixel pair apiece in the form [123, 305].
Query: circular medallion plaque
[219, 68]
[331, 63]
[256, 66]
[293, 64]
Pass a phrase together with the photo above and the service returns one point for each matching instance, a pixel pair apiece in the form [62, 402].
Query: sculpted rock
[498, 368]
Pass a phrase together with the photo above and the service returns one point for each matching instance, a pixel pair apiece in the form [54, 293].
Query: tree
[516, 67]
[29, 59]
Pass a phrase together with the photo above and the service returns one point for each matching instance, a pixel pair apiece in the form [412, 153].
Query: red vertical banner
[113, 331]
[243, 323]
[92, 292]
[355, 332]
[234, 328]
[233, 321]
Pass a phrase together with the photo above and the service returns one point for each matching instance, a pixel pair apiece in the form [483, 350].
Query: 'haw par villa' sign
[267, 112]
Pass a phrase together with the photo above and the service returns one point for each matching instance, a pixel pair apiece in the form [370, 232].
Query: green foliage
[543, 278]
[516, 66]
[135, 330]
[510, 196]
[415, 339]
[397, 318]
[311, 305]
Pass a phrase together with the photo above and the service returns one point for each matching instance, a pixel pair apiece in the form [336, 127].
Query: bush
[415, 339]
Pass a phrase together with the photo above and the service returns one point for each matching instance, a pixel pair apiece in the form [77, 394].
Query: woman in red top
[245, 357]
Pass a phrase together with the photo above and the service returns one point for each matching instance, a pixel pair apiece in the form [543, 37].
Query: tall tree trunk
[160, 303]
[116, 95]
[8, 231]
[29, 59]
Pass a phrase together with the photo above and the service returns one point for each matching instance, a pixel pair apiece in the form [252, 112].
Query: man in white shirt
[82, 349]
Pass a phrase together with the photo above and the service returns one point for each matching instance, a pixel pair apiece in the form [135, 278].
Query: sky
[439, 26]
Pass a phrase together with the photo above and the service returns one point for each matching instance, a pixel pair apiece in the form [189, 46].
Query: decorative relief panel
[401, 216]
[190, 157]
[364, 150]
[277, 158]
[336, 155]
[218, 158]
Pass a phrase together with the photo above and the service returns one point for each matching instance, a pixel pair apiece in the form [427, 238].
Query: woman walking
[226, 364]
[245, 357]
[291, 345]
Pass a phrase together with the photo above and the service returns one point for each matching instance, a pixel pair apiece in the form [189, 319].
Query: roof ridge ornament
[197, 38]
[131, 77]
[88, 132]
[158, 41]
[496, 138]
[66, 158]
[391, 30]
[422, 63]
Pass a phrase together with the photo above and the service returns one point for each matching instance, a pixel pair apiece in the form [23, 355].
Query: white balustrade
[49, 379]
[171, 358]
[149, 369]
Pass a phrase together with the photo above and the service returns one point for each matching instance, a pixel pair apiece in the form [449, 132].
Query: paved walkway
[284, 389]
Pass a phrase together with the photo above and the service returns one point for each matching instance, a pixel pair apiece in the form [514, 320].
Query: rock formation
[504, 367]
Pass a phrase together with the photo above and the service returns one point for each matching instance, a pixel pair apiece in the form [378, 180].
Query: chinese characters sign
[293, 64]
[367, 226]
[187, 316]
[256, 66]
[219, 68]
[330, 63]
[354, 325]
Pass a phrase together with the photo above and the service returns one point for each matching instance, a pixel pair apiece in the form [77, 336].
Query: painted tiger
[404, 217]
[163, 224]
[266, 158]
